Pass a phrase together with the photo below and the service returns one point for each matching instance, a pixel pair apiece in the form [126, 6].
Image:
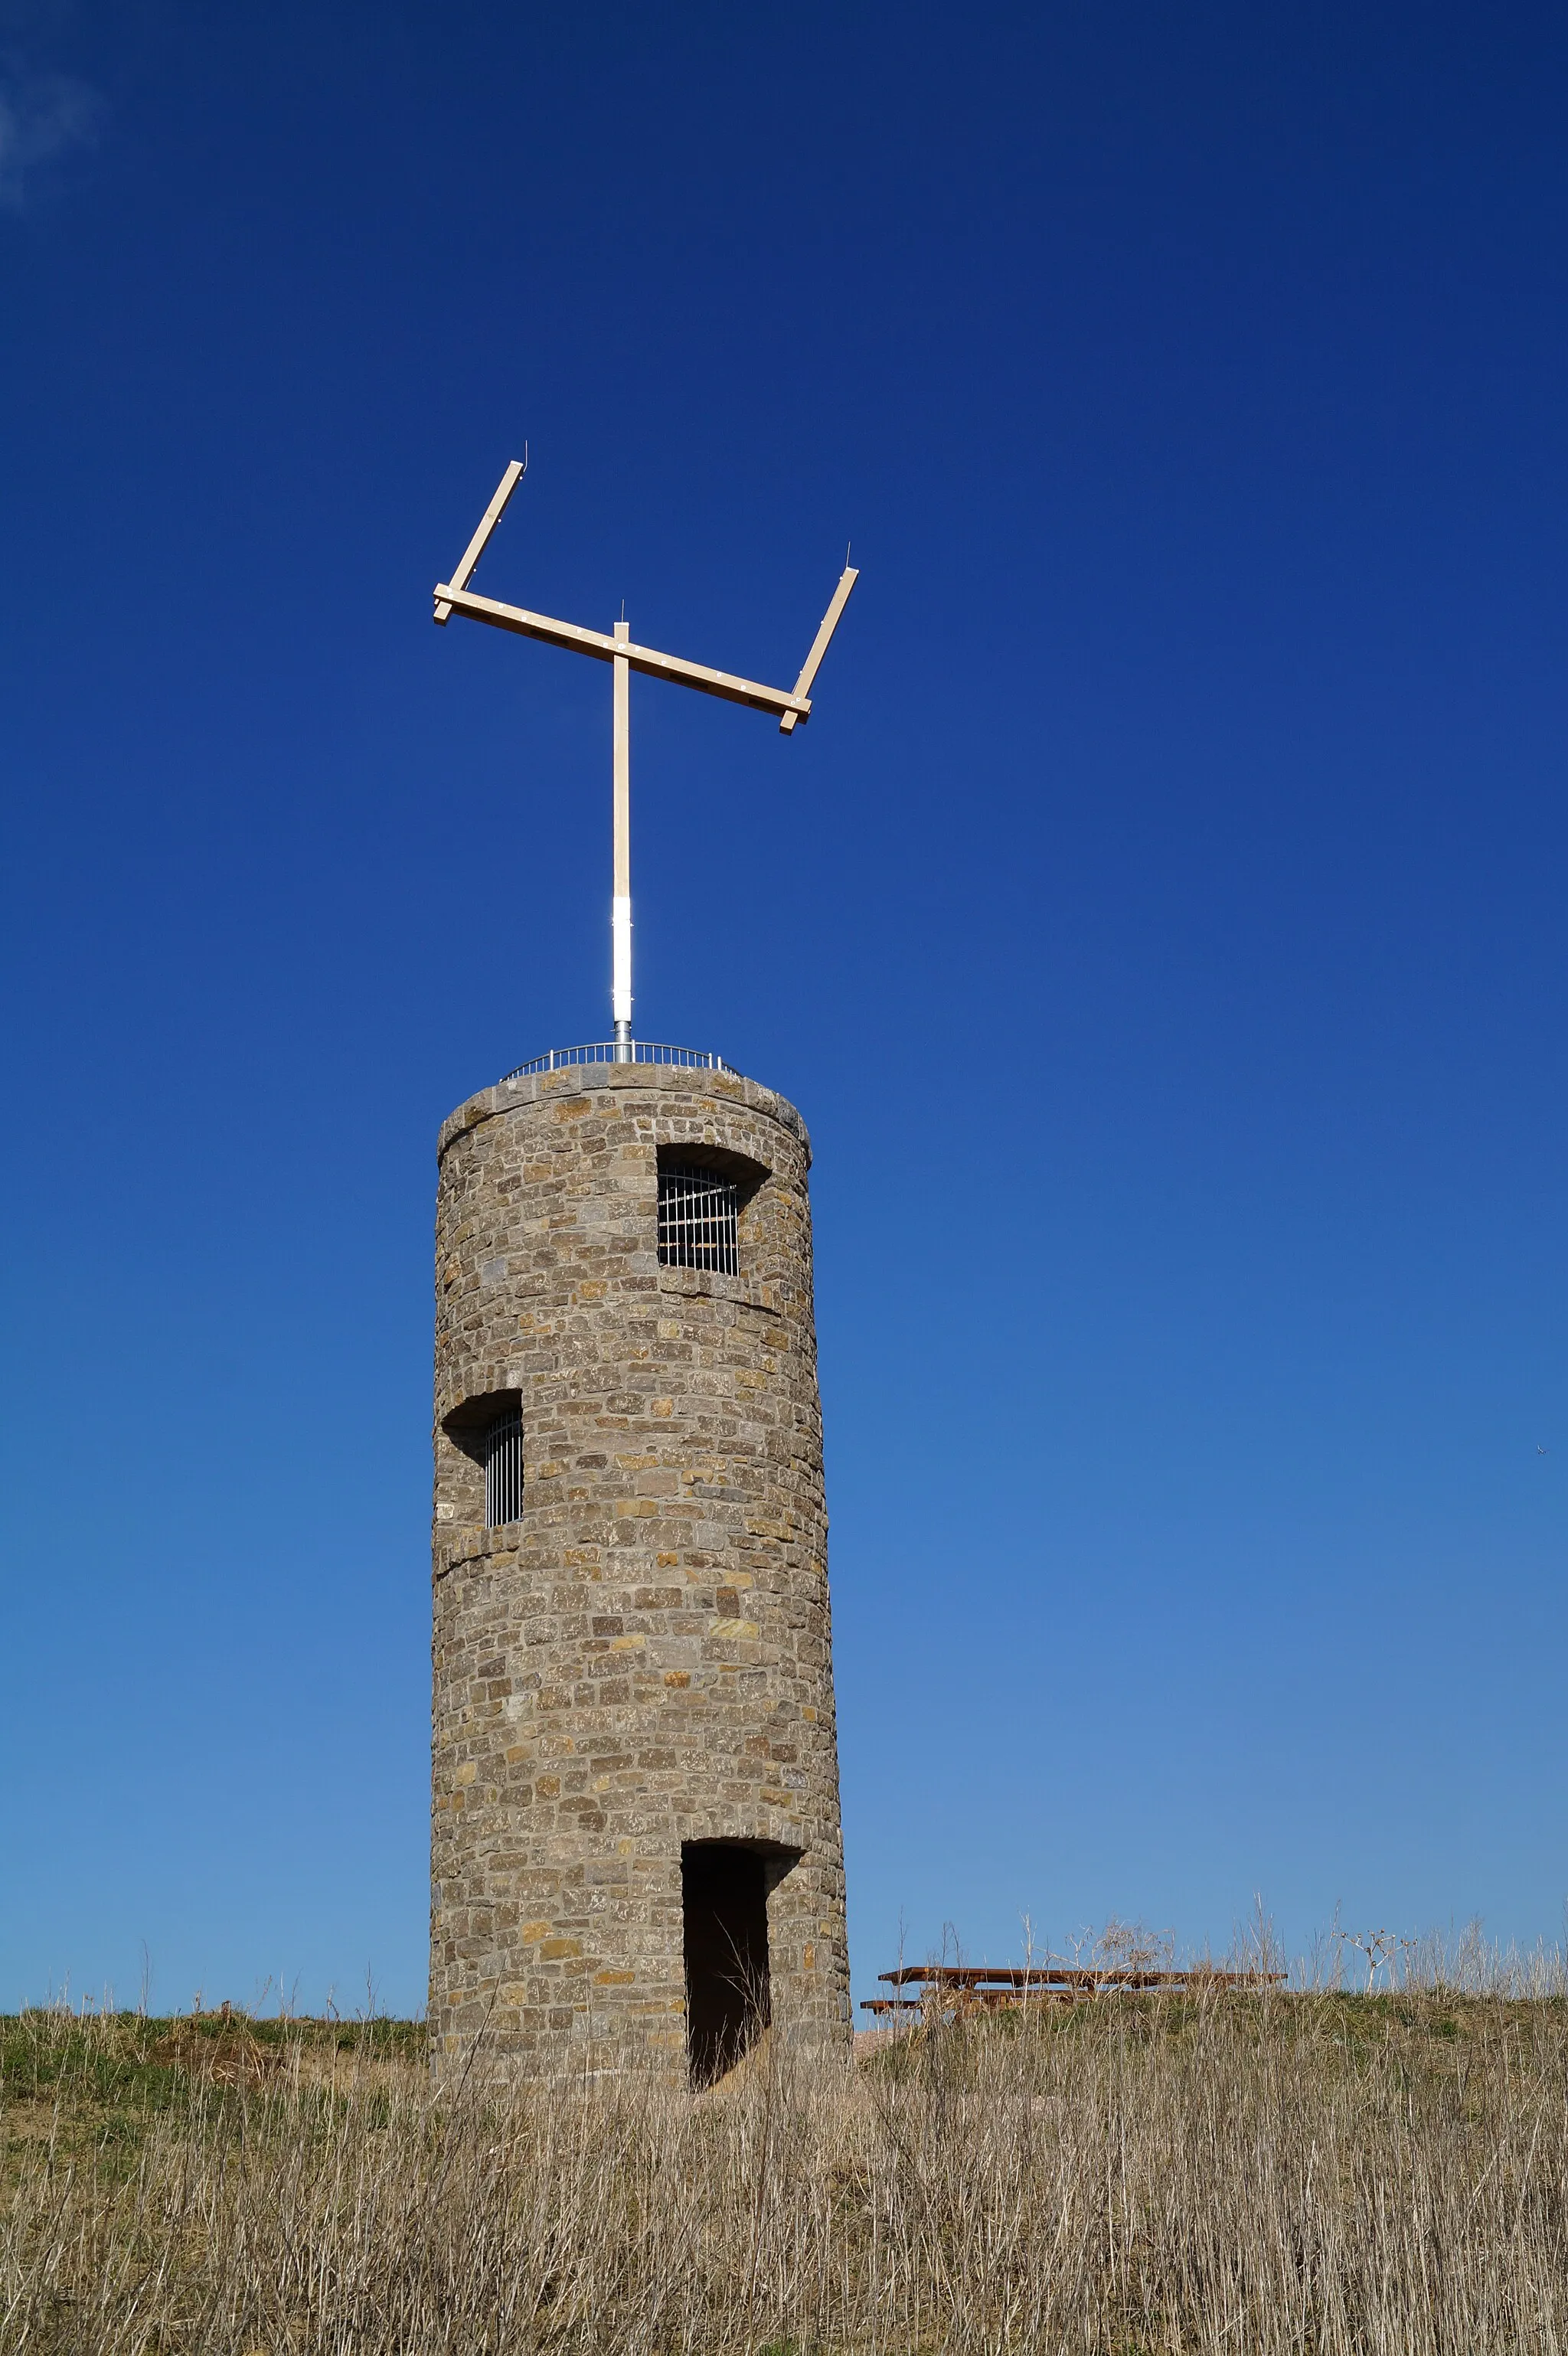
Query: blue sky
[1159, 925]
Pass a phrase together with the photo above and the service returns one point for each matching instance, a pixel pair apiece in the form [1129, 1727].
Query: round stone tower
[635, 1829]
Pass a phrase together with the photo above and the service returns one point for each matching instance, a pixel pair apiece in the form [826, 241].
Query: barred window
[698, 1219]
[504, 1467]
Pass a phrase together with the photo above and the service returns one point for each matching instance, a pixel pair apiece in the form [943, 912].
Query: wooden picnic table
[1011, 1986]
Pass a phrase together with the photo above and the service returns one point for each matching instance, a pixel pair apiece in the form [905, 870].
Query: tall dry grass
[1316, 2171]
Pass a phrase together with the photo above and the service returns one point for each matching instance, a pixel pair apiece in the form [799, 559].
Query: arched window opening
[489, 1431]
[504, 1467]
[699, 1213]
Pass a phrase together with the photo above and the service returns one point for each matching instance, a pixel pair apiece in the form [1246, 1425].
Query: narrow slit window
[698, 1219]
[504, 1467]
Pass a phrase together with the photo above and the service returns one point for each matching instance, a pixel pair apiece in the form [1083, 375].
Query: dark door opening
[725, 1892]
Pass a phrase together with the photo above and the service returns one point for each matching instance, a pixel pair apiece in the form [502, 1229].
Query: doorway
[724, 1896]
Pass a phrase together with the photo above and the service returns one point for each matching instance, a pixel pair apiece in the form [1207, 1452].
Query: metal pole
[621, 904]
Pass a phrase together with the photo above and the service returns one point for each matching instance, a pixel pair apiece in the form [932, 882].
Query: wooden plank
[487, 522]
[847, 581]
[605, 648]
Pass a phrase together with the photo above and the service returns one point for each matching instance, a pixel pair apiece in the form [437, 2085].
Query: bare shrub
[1264, 2171]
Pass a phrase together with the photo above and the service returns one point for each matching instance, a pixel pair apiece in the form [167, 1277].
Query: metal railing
[633, 1051]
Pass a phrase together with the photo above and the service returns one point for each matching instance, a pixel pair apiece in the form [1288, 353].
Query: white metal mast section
[793, 705]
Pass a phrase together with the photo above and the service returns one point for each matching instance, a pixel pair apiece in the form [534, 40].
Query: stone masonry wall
[643, 1658]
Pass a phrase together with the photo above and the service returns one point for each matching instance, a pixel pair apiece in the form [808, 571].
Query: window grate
[698, 1219]
[503, 1468]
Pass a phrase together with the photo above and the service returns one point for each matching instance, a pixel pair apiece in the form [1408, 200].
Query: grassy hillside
[1317, 2172]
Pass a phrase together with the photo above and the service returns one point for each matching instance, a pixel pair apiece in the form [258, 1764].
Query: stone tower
[635, 1829]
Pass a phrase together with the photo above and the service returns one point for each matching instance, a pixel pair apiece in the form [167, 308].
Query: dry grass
[1317, 2172]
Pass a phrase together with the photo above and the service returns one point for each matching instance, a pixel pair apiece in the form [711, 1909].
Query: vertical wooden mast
[621, 901]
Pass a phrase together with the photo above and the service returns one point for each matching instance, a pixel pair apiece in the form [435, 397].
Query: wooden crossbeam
[607, 649]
